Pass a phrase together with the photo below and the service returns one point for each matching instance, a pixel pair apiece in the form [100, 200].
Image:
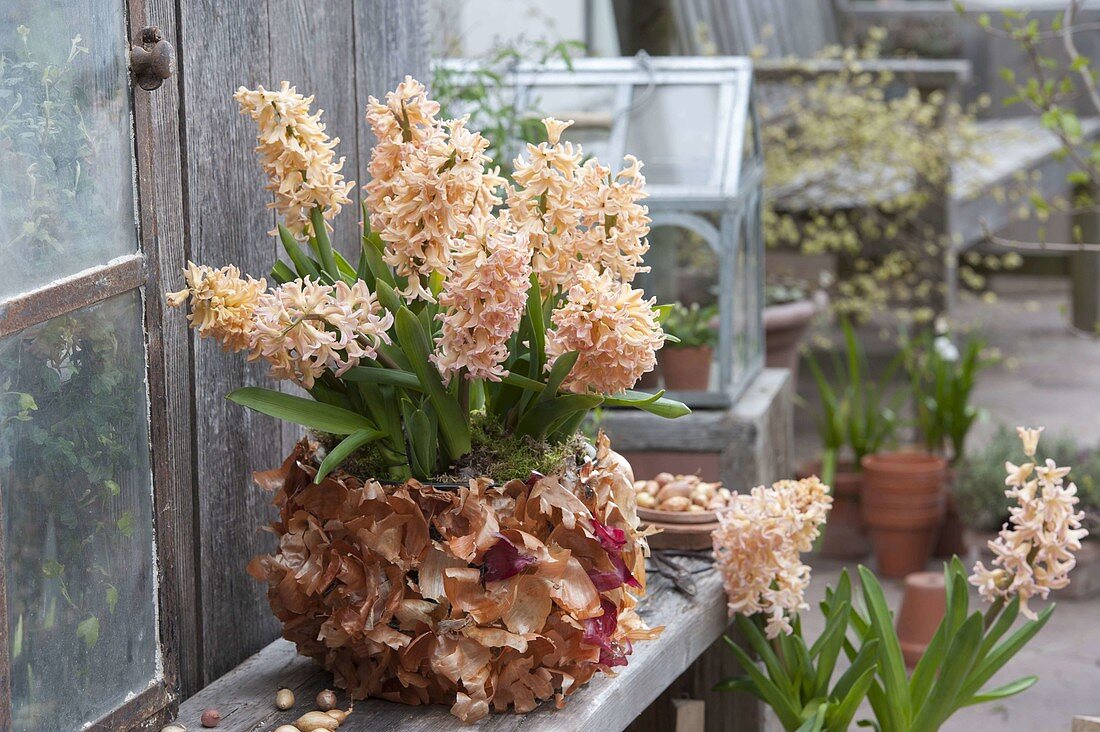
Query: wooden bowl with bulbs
[684, 508]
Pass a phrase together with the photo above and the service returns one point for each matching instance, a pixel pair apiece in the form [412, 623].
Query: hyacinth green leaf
[324, 246]
[957, 663]
[281, 272]
[376, 375]
[302, 263]
[826, 649]
[387, 296]
[763, 687]
[1003, 692]
[895, 683]
[347, 272]
[839, 716]
[537, 323]
[340, 453]
[759, 643]
[542, 416]
[372, 257]
[299, 410]
[1001, 655]
[1005, 620]
[815, 723]
[865, 660]
[736, 683]
[561, 368]
[652, 403]
[452, 419]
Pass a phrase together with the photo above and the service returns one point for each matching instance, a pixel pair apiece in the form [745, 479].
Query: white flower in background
[945, 348]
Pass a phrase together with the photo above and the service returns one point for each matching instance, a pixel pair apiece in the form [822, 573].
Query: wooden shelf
[245, 696]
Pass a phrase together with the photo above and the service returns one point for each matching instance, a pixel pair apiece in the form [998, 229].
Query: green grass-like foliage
[857, 414]
[967, 650]
[941, 379]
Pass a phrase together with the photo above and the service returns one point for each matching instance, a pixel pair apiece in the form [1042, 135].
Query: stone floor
[1051, 377]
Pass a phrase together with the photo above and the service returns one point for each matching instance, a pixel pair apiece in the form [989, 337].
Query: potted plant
[857, 418]
[686, 359]
[445, 505]
[788, 310]
[941, 378]
[758, 549]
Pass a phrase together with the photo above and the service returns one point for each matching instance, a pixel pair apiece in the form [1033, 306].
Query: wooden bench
[245, 696]
[786, 35]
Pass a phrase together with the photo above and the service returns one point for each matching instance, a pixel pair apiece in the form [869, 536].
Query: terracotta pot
[922, 608]
[784, 326]
[903, 504]
[904, 472]
[845, 535]
[903, 536]
[686, 369]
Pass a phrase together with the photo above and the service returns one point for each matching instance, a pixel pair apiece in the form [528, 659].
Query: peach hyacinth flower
[429, 183]
[484, 295]
[577, 214]
[303, 327]
[222, 303]
[617, 223]
[612, 327]
[302, 169]
[544, 204]
[1033, 554]
[758, 546]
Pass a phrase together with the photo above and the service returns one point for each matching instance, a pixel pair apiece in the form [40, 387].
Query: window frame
[156, 157]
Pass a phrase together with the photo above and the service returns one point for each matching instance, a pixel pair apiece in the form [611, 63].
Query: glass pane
[673, 130]
[592, 109]
[66, 193]
[77, 507]
[685, 270]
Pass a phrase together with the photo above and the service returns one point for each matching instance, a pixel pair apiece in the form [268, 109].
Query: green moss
[495, 452]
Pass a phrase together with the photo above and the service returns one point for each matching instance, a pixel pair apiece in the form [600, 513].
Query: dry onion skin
[486, 597]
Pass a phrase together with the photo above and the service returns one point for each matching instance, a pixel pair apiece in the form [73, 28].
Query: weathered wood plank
[311, 47]
[390, 42]
[245, 696]
[160, 186]
[222, 46]
[338, 51]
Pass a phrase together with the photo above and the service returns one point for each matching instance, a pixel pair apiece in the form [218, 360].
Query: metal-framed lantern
[692, 123]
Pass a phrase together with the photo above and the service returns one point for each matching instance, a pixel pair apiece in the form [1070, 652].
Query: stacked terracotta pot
[903, 503]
